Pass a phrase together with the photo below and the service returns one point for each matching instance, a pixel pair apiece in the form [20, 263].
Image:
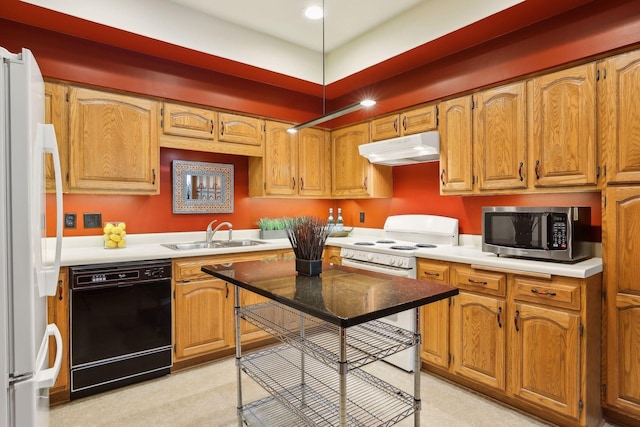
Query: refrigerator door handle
[48, 285]
[45, 378]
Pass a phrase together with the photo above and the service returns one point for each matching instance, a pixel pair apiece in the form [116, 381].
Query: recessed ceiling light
[313, 12]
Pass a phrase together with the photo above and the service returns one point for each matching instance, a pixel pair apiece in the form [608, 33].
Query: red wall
[593, 29]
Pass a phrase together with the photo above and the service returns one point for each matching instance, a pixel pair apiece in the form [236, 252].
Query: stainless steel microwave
[545, 233]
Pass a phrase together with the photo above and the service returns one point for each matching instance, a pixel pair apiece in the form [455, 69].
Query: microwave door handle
[544, 224]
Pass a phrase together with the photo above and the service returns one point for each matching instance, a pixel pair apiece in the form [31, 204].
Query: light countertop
[89, 250]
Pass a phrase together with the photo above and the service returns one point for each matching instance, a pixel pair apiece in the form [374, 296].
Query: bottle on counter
[330, 221]
[339, 222]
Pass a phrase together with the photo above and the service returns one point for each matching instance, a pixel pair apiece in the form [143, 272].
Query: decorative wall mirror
[202, 187]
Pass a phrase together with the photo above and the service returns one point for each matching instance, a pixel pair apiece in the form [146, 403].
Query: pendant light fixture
[340, 112]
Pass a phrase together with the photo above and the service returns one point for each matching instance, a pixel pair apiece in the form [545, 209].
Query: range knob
[369, 257]
[392, 261]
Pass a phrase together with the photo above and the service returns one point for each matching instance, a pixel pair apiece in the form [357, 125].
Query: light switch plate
[362, 216]
[92, 220]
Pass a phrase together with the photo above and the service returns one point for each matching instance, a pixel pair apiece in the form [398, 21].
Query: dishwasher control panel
[127, 273]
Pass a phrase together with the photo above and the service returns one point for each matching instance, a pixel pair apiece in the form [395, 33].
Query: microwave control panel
[558, 232]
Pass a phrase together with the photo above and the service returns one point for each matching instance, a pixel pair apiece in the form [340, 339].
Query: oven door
[405, 319]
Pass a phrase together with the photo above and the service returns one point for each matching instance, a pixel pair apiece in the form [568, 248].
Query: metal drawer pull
[431, 274]
[477, 282]
[537, 292]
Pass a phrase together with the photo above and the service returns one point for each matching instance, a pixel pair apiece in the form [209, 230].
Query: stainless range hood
[405, 150]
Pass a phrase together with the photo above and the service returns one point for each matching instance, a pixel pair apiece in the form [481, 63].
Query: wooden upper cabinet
[293, 164]
[56, 113]
[500, 138]
[314, 163]
[352, 174]
[247, 134]
[406, 123]
[280, 160]
[456, 159]
[188, 121]
[562, 128]
[618, 117]
[113, 143]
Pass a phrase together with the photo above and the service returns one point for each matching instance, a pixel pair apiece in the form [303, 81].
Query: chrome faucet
[211, 232]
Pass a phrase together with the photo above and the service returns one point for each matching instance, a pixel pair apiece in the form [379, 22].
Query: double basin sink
[214, 244]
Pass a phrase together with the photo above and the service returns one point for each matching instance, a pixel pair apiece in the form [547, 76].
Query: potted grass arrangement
[307, 236]
[272, 228]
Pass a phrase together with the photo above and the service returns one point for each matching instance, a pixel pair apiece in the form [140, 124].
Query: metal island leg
[236, 312]
[416, 370]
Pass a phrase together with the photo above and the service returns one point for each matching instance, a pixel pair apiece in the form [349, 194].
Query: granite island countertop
[340, 295]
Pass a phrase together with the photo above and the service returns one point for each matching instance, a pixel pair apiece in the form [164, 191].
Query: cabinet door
[331, 255]
[434, 317]
[456, 159]
[621, 245]
[500, 138]
[350, 170]
[418, 120]
[58, 313]
[55, 112]
[314, 163]
[204, 317]
[248, 331]
[563, 128]
[280, 160]
[618, 113]
[478, 339]
[385, 127]
[191, 122]
[240, 129]
[114, 143]
[545, 357]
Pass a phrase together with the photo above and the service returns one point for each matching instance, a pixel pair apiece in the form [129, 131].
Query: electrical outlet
[92, 220]
[362, 216]
[69, 220]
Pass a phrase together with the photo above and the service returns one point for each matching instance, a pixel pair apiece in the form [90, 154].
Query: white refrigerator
[27, 274]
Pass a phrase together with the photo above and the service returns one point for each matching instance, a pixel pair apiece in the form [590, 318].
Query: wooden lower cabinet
[478, 339]
[203, 308]
[58, 313]
[531, 341]
[621, 252]
[331, 255]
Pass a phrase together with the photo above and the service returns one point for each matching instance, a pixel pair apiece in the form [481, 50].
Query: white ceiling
[274, 34]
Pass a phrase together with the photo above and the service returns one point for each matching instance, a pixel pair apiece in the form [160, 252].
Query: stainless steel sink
[201, 244]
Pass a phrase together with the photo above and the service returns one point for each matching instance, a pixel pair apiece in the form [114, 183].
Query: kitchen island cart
[329, 329]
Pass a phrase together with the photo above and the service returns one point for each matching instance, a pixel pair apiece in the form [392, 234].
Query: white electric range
[394, 254]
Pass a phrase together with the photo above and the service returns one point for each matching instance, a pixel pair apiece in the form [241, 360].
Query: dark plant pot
[309, 267]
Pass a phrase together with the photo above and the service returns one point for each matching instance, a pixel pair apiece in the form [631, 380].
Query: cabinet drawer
[188, 269]
[557, 292]
[433, 271]
[479, 280]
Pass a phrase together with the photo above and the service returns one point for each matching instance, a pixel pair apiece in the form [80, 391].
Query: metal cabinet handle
[365, 182]
[221, 128]
[477, 282]
[301, 183]
[226, 287]
[153, 176]
[537, 292]
[60, 290]
[515, 320]
[520, 171]
[404, 123]
[395, 124]
[537, 169]
[442, 177]
[212, 126]
[498, 316]
[293, 183]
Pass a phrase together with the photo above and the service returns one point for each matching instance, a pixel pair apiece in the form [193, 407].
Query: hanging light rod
[341, 112]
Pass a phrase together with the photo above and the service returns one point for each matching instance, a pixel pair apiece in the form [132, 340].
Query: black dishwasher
[120, 324]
